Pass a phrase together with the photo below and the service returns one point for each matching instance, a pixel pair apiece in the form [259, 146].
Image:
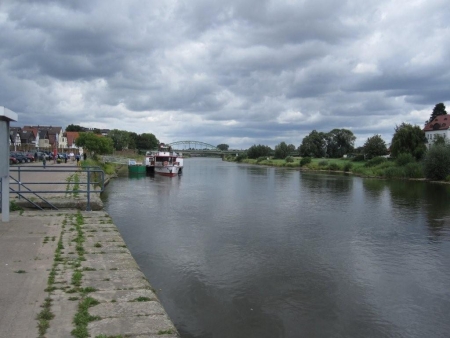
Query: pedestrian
[35, 157]
[44, 161]
[78, 159]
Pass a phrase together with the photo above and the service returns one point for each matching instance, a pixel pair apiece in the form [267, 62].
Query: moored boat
[164, 161]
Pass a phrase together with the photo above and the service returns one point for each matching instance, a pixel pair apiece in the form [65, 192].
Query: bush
[375, 161]
[289, 159]
[394, 172]
[404, 159]
[348, 166]
[241, 157]
[358, 158]
[334, 166]
[305, 160]
[323, 163]
[436, 164]
[261, 158]
[413, 170]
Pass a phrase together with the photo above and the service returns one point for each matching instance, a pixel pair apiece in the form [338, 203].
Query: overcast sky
[239, 72]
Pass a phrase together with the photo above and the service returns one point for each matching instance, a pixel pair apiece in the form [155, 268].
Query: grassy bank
[405, 168]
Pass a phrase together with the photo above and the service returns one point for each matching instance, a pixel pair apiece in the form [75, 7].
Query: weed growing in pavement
[82, 317]
[44, 317]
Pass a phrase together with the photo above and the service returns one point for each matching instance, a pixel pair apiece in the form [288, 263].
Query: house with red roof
[438, 126]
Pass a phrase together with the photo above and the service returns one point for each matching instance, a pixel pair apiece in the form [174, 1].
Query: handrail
[22, 184]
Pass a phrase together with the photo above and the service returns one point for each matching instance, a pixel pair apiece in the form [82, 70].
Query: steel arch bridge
[192, 145]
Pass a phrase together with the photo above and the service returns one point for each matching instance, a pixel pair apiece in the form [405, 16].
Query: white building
[439, 126]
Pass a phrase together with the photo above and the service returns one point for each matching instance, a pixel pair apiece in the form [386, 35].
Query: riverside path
[68, 273]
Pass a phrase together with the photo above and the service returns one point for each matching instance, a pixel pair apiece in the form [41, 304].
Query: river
[246, 251]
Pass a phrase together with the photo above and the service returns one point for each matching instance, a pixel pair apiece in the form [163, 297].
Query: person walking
[78, 160]
[44, 161]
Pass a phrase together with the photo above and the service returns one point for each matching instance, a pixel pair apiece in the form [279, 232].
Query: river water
[246, 251]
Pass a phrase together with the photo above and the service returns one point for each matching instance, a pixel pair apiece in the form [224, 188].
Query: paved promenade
[68, 273]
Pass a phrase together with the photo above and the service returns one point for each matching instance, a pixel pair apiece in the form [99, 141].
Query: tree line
[407, 138]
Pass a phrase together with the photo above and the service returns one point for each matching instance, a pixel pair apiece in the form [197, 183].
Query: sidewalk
[73, 270]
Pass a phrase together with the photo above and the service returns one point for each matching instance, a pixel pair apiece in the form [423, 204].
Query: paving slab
[35, 245]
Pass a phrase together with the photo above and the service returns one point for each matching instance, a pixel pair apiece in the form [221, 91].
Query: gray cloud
[236, 72]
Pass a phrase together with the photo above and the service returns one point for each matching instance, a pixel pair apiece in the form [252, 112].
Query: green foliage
[404, 159]
[314, 145]
[121, 139]
[374, 146]
[74, 127]
[340, 142]
[289, 159]
[95, 144]
[147, 141]
[256, 151]
[408, 139]
[439, 139]
[436, 163]
[305, 160]
[323, 163]
[375, 161]
[413, 170]
[334, 166]
[358, 158]
[348, 166]
[14, 207]
[241, 157]
[281, 150]
[438, 109]
[223, 146]
[260, 159]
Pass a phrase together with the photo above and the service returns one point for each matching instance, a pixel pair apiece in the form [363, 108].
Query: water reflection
[241, 251]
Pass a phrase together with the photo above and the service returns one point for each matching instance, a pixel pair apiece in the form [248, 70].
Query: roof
[71, 137]
[441, 122]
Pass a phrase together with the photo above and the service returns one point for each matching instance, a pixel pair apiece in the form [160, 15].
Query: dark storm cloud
[237, 72]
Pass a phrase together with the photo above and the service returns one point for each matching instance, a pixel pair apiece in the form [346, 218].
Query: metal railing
[37, 181]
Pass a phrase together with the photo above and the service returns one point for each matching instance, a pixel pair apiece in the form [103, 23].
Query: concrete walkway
[68, 273]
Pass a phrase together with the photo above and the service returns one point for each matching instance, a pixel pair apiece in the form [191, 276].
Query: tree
[340, 142]
[436, 162]
[147, 141]
[74, 127]
[94, 144]
[291, 148]
[223, 146]
[374, 146]
[120, 138]
[259, 150]
[281, 150]
[408, 139]
[133, 140]
[313, 145]
[438, 110]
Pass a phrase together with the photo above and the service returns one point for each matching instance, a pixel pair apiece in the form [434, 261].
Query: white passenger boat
[164, 161]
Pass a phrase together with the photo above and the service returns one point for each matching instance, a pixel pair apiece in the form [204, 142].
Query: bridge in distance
[197, 147]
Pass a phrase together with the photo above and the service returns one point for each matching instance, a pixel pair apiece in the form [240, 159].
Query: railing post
[18, 179]
[88, 204]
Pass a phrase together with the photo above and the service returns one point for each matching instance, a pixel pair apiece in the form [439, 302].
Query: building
[438, 126]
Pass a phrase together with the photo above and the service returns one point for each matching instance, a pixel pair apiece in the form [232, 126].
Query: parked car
[12, 160]
[19, 157]
[30, 156]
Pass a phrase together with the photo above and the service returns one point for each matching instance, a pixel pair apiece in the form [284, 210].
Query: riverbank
[68, 273]
[379, 167]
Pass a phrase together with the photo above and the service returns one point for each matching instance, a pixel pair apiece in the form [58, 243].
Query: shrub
[323, 163]
[334, 166]
[261, 158]
[358, 158]
[348, 166]
[413, 170]
[305, 160]
[404, 159]
[375, 161]
[241, 157]
[436, 164]
[394, 172]
[289, 159]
